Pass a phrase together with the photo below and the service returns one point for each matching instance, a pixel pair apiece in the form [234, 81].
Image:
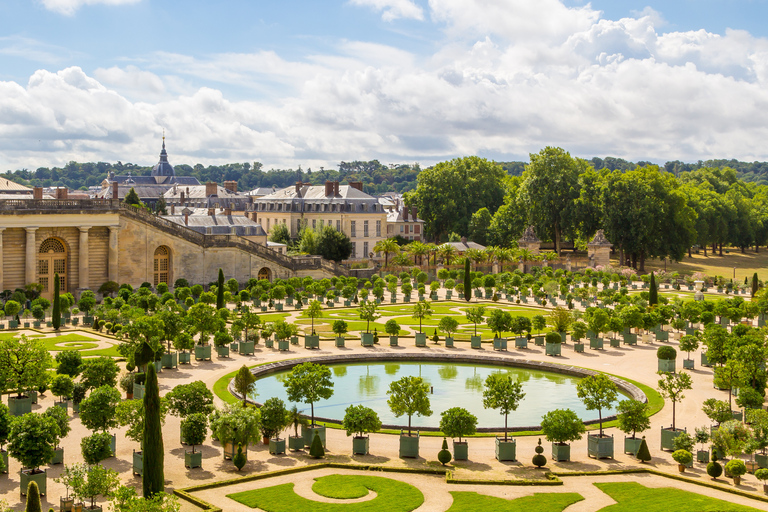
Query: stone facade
[599, 250]
[530, 241]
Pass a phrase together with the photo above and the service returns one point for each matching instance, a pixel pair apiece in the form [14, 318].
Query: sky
[313, 83]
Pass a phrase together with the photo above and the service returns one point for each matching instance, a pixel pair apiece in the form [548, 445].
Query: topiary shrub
[239, 459]
[316, 450]
[539, 460]
[682, 457]
[667, 353]
[33, 498]
[444, 456]
[714, 469]
[553, 337]
[736, 468]
[643, 453]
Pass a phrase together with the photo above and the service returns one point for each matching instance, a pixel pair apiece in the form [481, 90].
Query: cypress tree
[33, 498]
[653, 292]
[467, 281]
[755, 284]
[56, 315]
[153, 480]
[220, 291]
[643, 453]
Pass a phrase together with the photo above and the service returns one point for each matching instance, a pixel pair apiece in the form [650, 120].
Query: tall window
[314, 223]
[354, 250]
[365, 228]
[162, 266]
[338, 225]
[378, 228]
[365, 249]
[352, 229]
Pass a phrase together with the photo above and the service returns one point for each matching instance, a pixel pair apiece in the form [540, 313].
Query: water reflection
[449, 372]
[339, 371]
[391, 368]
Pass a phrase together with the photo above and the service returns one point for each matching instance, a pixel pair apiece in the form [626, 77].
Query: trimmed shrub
[33, 497]
[539, 460]
[643, 453]
[667, 353]
[553, 337]
[736, 467]
[683, 457]
[316, 450]
[153, 481]
[444, 456]
[714, 469]
[239, 459]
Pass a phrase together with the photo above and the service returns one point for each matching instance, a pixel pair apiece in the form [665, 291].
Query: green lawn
[391, 496]
[539, 502]
[631, 497]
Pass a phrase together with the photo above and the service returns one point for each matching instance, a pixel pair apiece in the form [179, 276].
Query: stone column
[84, 278]
[30, 267]
[2, 275]
[112, 264]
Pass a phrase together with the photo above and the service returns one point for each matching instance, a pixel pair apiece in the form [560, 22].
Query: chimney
[37, 193]
[356, 184]
[212, 212]
[405, 214]
[210, 188]
[298, 188]
[464, 241]
[181, 199]
[62, 193]
[231, 186]
[328, 188]
[414, 211]
[114, 190]
[335, 189]
[227, 211]
[173, 209]
[186, 218]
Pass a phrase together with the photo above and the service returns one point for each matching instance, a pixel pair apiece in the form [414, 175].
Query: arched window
[162, 265]
[265, 273]
[51, 260]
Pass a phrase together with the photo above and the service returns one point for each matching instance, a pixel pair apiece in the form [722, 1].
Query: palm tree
[490, 252]
[431, 249]
[446, 252]
[503, 255]
[525, 256]
[549, 256]
[387, 246]
[476, 255]
[417, 250]
[401, 260]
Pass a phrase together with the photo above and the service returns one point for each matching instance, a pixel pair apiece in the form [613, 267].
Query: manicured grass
[631, 496]
[539, 502]
[5, 336]
[746, 264]
[69, 341]
[109, 352]
[391, 496]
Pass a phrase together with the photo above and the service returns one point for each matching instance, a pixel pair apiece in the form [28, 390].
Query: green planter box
[393, 341]
[703, 457]
[474, 342]
[222, 351]
[193, 460]
[360, 445]
[596, 343]
[629, 338]
[75, 321]
[407, 298]
[421, 339]
[138, 463]
[760, 459]
[704, 360]
[75, 407]
[340, 341]
[13, 324]
[499, 343]
[578, 347]
[294, 340]
[552, 349]
[277, 446]
[41, 479]
[632, 445]
[668, 438]
[278, 307]
[460, 450]
[448, 342]
[138, 391]
[688, 364]
[170, 360]
[461, 295]
[269, 343]
[247, 348]
[615, 342]
[506, 451]
[283, 345]
[561, 452]
[538, 341]
[448, 295]
[521, 342]
[36, 324]
[600, 447]
[185, 357]
[662, 335]
[202, 352]
[348, 303]
[234, 347]
[310, 432]
[296, 443]
[366, 338]
[19, 405]
[312, 341]
[33, 396]
[666, 365]
[409, 445]
[58, 456]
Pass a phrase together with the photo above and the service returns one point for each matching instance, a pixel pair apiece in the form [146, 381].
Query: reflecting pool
[453, 385]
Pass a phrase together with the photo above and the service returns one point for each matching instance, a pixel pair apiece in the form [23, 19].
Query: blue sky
[313, 83]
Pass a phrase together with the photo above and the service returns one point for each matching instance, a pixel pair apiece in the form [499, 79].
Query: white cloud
[393, 9]
[69, 7]
[593, 86]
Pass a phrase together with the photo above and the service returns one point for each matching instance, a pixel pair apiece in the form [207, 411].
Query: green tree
[153, 480]
[502, 393]
[98, 411]
[96, 448]
[245, 383]
[220, 291]
[280, 234]
[643, 454]
[367, 312]
[334, 245]
[549, 191]
[98, 372]
[360, 420]
[387, 246]
[653, 291]
[69, 362]
[186, 399]
[194, 428]
[409, 396]
[24, 363]
[315, 310]
[56, 314]
[32, 438]
[458, 422]
[479, 226]
[672, 386]
[449, 193]
[33, 498]
[633, 417]
[307, 383]
[132, 198]
[562, 426]
[273, 417]
[467, 282]
[421, 310]
[475, 315]
[598, 392]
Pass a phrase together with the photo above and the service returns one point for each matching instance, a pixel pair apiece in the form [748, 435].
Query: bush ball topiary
[444, 456]
[539, 460]
[239, 459]
[553, 337]
[736, 467]
[316, 450]
[682, 457]
[714, 469]
[666, 352]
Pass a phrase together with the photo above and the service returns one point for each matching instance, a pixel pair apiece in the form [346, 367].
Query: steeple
[163, 168]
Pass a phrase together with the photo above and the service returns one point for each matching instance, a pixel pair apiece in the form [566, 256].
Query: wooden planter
[474, 342]
[296, 443]
[448, 343]
[552, 349]
[366, 338]
[193, 460]
[600, 447]
[499, 343]
[58, 456]
[596, 343]
[360, 445]
[277, 446]
[506, 451]
[309, 433]
[688, 364]
[246, 348]
[202, 352]
[578, 347]
[312, 341]
[421, 339]
[460, 450]
[170, 360]
[666, 365]
[409, 445]
[668, 438]
[561, 452]
[283, 345]
[185, 357]
[340, 341]
[41, 479]
[138, 391]
[521, 342]
[632, 445]
[222, 351]
[393, 341]
[138, 463]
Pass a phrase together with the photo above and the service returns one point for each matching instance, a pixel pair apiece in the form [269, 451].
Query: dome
[163, 168]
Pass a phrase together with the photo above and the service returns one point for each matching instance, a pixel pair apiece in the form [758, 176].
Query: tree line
[646, 211]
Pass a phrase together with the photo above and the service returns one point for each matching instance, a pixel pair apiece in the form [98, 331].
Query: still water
[453, 385]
